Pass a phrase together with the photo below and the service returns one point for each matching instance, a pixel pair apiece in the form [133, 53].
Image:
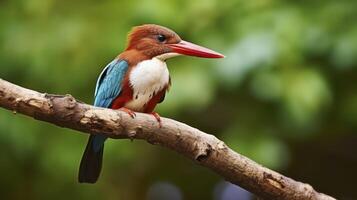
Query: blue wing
[109, 83]
[108, 88]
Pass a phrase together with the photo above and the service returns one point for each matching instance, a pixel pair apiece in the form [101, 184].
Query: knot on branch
[132, 134]
[70, 101]
[203, 151]
[274, 181]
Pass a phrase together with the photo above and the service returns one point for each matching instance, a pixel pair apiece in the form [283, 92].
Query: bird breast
[146, 79]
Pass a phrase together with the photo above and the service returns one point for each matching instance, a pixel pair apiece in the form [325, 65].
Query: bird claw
[131, 113]
[157, 117]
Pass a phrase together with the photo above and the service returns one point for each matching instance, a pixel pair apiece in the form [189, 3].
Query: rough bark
[203, 148]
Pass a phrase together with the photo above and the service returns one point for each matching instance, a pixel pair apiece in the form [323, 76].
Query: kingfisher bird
[136, 81]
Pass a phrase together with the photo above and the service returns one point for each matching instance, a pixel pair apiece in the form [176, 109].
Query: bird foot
[129, 112]
[157, 117]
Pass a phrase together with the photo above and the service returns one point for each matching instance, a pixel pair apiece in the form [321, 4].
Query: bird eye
[161, 38]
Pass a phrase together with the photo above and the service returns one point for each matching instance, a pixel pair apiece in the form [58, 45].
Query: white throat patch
[147, 79]
[166, 56]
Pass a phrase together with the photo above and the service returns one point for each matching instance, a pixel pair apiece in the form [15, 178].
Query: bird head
[163, 43]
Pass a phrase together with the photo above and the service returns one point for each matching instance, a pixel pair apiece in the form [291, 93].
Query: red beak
[190, 49]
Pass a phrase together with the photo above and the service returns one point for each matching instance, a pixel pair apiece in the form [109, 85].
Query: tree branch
[203, 148]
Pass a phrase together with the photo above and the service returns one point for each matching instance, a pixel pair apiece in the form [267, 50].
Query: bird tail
[91, 163]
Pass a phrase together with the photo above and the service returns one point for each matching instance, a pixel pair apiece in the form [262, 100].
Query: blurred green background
[285, 96]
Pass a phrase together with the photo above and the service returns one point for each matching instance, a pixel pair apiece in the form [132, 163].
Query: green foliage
[289, 79]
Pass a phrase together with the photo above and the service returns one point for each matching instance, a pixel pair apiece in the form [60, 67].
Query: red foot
[157, 117]
[130, 112]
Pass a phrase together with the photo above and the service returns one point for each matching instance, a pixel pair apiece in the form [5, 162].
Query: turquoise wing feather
[108, 88]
